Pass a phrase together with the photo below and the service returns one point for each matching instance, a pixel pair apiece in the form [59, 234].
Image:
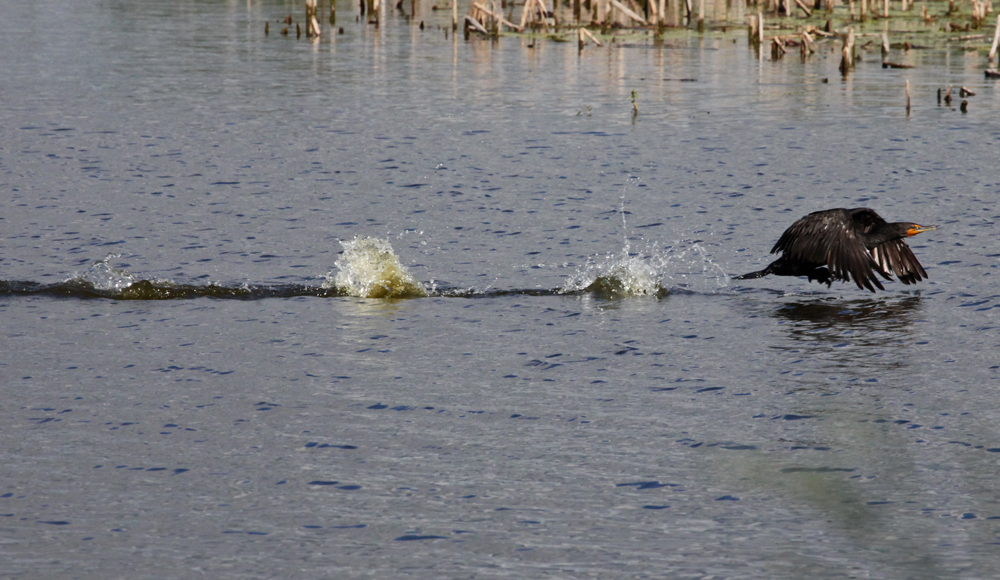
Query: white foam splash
[369, 268]
[618, 275]
[102, 276]
[622, 274]
[689, 265]
[651, 272]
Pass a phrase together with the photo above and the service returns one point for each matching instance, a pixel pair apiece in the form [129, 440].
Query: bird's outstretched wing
[832, 237]
[865, 219]
[896, 257]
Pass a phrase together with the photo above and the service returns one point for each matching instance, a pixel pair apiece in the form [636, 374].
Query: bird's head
[915, 229]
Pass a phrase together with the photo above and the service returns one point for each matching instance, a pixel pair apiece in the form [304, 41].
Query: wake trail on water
[370, 268]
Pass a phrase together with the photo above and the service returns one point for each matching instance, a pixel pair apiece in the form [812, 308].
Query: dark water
[194, 385]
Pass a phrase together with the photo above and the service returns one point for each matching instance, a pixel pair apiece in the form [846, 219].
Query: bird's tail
[752, 275]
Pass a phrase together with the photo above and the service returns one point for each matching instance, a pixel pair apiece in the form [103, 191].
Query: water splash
[617, 275]
[689, 265]
[105, 278]
[622, 274]
[369, 268]
[653, 271]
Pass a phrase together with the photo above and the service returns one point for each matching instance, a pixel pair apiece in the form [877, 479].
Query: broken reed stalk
[753, 34]
[624, 10]
[808, 45]
[777, 48]
[847, 54]
[885, 48]
[885, 8]
[591, 36]
[978, 13]
[454, 15]
[701, 15]
[497, 17]
[803, 7]
[531, 7]
[907, 97]
[760, 36]
[996, 41]
[312, 25]
[471, 22]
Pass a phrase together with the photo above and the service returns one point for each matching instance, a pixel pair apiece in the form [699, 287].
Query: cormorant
[844, 244]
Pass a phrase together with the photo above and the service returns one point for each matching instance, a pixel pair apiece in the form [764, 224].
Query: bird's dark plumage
[845, 244]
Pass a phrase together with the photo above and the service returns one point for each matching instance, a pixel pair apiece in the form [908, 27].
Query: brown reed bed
[773, 27]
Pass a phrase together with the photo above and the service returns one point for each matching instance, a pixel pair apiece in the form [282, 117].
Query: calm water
[514, 422]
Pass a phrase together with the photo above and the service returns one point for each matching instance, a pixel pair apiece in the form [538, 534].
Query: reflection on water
[853, 354]
[865, 337]
[820, 314]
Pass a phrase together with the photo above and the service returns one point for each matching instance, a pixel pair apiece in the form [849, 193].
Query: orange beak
[918, 229]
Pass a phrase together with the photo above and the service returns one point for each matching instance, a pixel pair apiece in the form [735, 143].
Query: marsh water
[561, 381]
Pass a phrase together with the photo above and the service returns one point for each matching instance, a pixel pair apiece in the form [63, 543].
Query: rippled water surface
[396, 304]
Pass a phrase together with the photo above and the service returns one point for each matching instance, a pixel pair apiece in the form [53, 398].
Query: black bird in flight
[845, 244]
